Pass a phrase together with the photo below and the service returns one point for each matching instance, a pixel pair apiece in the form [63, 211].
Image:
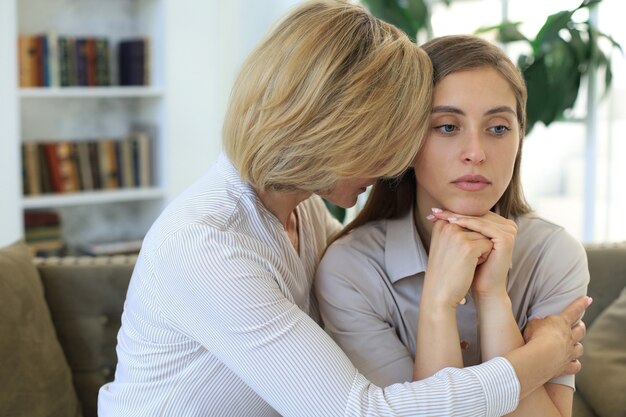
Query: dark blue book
[132, 62]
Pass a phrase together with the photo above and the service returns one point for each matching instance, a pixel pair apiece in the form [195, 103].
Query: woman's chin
[474, 210]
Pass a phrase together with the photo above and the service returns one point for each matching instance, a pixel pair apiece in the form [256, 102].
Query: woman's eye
[447, 128]
[500, 129]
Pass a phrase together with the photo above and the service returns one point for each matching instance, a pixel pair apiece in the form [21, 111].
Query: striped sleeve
[232, 303]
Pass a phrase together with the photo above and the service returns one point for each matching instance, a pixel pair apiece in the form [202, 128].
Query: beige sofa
[59, 320]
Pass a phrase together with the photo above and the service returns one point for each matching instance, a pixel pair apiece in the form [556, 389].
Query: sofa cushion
[602, 380]
[86, 297]
[35, 379]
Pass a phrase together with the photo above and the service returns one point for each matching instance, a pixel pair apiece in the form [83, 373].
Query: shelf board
[90, 92]
[91, 197]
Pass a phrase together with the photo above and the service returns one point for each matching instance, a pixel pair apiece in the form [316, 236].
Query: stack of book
[42, 232]
[88, 165]
[49, 60]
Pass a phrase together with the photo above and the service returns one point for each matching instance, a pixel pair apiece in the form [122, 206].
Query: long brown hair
[393, 197]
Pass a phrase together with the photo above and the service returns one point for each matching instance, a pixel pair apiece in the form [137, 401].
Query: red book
[53, 165]
[90, 49]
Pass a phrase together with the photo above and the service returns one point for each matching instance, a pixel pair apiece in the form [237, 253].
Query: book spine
[71, 62]
[44, 169]
[131, 62]
[67, 167]
[81, 62]
[53, 59]
[64, 62]
[42, 61]
[103, 62]
[94, 161]
[26, 56]
[90, 56]
[32, 166]
[108, 164]
[84, 165]
[53, 165]
[128, 172]
[145, 159]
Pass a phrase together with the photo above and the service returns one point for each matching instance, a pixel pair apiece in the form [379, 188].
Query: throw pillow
[35, 379]
[602, 380]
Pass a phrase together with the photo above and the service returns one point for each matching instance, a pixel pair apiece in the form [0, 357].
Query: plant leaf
[392, 12]
[507, 32]
[549, 32]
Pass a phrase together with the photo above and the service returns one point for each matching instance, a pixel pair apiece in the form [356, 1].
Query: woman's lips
[471, 182]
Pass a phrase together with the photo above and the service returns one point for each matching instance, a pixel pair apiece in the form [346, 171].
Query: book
[64, 61]
[52, 43]
[103, 62]
[84, 166]
[44, 170]
[81, 61]
[72, 62]
[43, 75]
[127, 161]
[53, 166]
[67, 166]
[94, 162]
[27, 56]
[43, 233]
[107, 159]
[131, 62]
[143, 158]
[32, 168]
[90, 56]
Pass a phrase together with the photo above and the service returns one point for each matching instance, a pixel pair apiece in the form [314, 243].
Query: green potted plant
[562, 53]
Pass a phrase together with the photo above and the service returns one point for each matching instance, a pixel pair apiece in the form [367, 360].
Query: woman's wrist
[493, 301]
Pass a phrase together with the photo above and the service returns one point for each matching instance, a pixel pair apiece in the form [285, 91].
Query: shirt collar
[404, 253]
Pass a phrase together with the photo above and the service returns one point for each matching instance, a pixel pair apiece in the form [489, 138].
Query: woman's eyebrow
[456, 110]
[447, 109]
[500, 109]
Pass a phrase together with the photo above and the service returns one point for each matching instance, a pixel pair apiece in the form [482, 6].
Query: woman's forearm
[500, 336]
[438, 342]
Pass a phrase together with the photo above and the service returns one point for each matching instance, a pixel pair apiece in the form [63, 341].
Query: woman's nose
[474, 152]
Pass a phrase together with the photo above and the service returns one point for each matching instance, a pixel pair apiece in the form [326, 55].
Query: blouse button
[464, 344]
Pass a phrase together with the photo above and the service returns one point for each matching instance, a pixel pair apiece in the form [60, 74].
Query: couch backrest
[607, 266]
[86, 297]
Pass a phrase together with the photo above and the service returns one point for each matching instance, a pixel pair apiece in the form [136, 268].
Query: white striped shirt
[219, 320]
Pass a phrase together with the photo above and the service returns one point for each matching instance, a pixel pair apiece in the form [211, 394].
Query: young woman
[219, 318]
[393, 289]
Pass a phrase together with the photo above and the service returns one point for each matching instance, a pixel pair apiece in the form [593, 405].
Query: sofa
[59, 319]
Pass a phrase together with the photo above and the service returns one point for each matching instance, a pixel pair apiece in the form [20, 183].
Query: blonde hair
[449, 54]
[332, 92]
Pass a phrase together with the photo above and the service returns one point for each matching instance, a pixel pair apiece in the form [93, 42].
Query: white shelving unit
[193, 70]
[83, 113]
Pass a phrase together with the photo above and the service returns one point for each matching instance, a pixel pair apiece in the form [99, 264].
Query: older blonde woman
[219, 318]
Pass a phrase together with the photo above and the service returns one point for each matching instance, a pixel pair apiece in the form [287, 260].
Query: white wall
[9, 188]
[206, 43]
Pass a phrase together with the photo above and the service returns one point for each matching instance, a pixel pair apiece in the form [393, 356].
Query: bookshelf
[74, 114]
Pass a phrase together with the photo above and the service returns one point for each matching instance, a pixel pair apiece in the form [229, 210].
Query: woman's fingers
[490, 225]
[574, 312]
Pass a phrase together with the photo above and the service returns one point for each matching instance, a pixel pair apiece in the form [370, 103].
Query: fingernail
[589, 301]
[452, 219]
[436, 210]
[431, 217]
